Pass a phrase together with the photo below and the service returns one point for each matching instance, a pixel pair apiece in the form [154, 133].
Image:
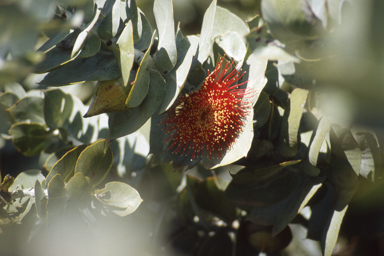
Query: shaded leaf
[90, 47]
[54, 157]
[78, 187]
[109, 25]
[8, 99]
[59, 55]
[100, 67]
[130, 153]
[293, 24]
[175, 79]
[127, 122]
[159, 182]
[146, 34]
[6, 119]
[209, 197]
[30, 138]
[344, 145]
[65, 166]
[262, 239]
[95, 161]
[39, 195]
[132, 14]
[218, 244]
[140, 86]
[57, 196]
[58, 107]
[54, 40]
[261, 175]
[262, 110]
[28, 109]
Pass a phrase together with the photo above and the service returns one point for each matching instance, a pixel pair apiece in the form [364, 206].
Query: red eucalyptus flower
[209, 120]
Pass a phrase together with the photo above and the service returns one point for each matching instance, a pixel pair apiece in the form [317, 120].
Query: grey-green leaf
[205, 43]
[100, 67]
[95, 161]
[289, 133]
[65, 166]
[27, 179]
[57, 196]
[30, 138]
[58, 107]
[166, 56]
[120, 196]
[28, 109]
[140, 87]
[329, 238]
[126, 52]
[127, 122]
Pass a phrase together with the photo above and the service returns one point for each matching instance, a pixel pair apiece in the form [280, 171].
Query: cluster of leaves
[52, 122]
[291, 155]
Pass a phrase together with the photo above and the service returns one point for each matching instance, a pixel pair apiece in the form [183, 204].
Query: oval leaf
[27, 179]
[95, 161]
[66, 165]
[123, 198]
[30, 139]
[28, 109]
[58, 107]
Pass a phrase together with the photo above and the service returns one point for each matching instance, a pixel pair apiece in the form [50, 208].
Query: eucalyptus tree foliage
[299, 146]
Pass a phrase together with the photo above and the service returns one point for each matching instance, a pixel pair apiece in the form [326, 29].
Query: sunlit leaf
[125, 53]
[205, 42]
[123, 198]
[84, 34]
[166, 55]
[27, 179]
[109, 97]
[289, 133]
[328, 242]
